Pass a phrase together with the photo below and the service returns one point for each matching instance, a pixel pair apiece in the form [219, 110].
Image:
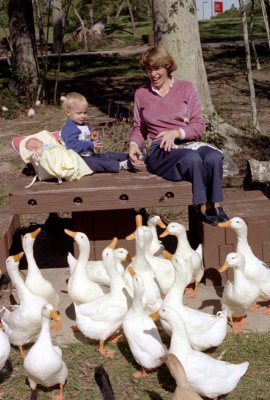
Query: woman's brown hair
[156, 57]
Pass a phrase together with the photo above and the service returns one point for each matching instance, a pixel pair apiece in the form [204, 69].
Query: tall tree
[23, 46]
[57, 15]
[255, 122]
[176, 28]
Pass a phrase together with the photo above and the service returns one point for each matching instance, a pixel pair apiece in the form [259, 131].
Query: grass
[228, 29]
[82, 358]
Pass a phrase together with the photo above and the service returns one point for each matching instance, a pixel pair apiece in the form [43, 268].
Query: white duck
[96, 270]
[163, 269]
[186, 251]
[207, 376]
[240, 294]
[34, 280]
[22, 325]
[156, 246]
[255, 269]
[43, 363]
[4, 346]
[141, 332]
[204, 330]
[152, 296]
[183, 390]
[80, 288]
[101, 318]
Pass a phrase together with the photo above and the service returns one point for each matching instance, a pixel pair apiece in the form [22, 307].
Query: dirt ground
[225, 67]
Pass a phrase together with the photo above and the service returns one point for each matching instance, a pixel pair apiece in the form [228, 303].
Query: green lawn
[81, 360]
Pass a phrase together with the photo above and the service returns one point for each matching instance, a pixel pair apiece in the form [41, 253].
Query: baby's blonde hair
[71, 98]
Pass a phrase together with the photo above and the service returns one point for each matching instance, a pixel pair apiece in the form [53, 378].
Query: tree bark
[265, 11]
[251, 25]
[255, 122]
[23, 43]
[57, 15]
[260, 170]
[82, 28]
[131, 17]
[176, 28]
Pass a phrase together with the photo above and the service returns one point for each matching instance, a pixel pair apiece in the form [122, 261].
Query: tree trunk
[57, 15]
[42, 37]
[255, 122]
[82, 28]
[119, 9]
[131, 17]
[91, 12]
[176, 28]
[23, 42]
[251, 25]
[265, 10]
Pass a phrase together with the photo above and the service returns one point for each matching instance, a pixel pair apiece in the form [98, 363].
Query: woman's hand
[134, 153]
[167, 139]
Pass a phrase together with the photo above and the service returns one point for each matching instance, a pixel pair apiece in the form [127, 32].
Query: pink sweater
[179, 108]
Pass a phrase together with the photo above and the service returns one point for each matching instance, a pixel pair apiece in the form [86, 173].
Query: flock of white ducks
[108, 297]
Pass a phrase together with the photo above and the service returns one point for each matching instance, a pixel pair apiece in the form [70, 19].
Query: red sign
[218, 7]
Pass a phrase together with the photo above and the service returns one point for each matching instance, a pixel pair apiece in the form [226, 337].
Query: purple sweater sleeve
[180, 108]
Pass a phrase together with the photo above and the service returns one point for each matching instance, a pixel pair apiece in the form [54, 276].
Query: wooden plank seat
[102, 205]
[9, 227]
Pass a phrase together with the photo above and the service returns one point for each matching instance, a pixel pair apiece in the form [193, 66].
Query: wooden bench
[9, 227]
[102, 205]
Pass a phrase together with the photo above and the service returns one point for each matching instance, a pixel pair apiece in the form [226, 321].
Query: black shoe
[209, 216]
[222, 216]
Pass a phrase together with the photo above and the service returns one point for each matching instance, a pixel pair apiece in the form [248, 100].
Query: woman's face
[158, 76]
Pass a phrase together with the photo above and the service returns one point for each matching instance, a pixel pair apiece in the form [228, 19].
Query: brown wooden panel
[102, 226]
[99, 192]
[9, 224]
[242, 195]
[256, 235]
[266, 251]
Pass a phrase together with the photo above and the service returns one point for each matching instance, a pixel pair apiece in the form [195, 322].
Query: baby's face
[34, 144]
[77, 112]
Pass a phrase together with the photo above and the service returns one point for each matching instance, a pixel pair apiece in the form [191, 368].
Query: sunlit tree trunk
[266, 16]
[131, 16]
[24, 50]
[176, 28]
[251, 25]
[255, 122]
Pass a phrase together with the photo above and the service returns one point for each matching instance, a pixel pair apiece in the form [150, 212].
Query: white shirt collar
[157, 91]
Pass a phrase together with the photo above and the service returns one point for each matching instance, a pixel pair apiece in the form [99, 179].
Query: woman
[168, 111]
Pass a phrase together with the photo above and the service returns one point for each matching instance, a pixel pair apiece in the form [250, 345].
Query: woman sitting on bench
[168, 111]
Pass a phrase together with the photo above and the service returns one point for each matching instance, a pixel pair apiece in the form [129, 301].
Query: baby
[36, 146]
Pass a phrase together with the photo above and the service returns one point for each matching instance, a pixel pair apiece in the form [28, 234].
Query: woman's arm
[196, 126]
[137, 138]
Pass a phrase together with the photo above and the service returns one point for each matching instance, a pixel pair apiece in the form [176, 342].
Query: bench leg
[9, 226]
[102, 226]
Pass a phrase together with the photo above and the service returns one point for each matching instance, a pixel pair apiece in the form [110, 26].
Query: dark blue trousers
[202, 167]
[105, 162]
